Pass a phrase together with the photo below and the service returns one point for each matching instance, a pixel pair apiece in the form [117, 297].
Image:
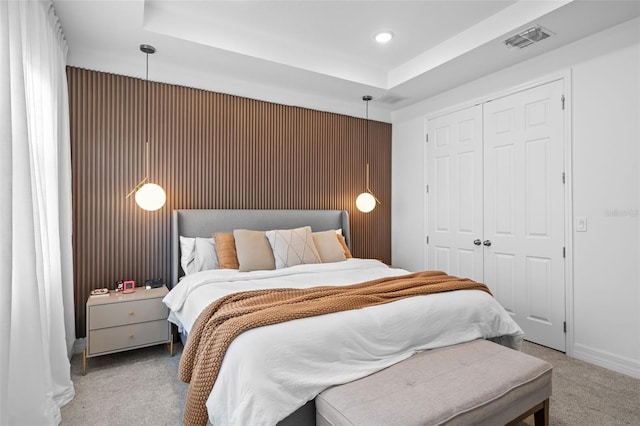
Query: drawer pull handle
[131, 336]
[131, 313]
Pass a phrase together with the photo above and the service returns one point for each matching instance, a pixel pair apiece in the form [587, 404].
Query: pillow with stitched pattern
[293, 247]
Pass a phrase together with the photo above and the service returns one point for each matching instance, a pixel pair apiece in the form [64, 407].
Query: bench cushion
[478, 383]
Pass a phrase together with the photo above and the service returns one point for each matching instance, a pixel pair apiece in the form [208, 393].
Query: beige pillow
[328, 246]
[226, 250]
[293, 247]
[254, 251]
[342, 241]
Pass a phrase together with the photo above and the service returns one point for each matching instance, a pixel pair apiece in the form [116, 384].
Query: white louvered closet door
[496, 204]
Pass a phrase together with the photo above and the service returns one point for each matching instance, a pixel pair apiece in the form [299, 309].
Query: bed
[270, 375]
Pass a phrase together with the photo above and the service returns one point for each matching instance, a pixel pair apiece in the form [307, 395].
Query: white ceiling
[321, 54]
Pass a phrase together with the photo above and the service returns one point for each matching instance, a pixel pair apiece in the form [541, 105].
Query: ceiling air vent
[390, 98]
[528, 37]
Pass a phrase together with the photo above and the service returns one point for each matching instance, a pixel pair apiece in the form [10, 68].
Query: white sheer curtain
[36, 289]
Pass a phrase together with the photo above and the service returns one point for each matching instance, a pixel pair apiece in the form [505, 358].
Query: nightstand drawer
[116, 314]
[128, 336]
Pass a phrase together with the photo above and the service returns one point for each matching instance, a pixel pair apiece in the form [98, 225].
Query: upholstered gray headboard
[204, 223]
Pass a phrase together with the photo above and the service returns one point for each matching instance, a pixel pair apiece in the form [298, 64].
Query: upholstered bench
[475, 383]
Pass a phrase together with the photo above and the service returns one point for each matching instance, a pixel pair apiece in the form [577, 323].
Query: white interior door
[454, 168]
[524, 209]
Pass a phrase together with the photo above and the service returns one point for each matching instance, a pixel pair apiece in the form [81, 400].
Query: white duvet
[269, 372]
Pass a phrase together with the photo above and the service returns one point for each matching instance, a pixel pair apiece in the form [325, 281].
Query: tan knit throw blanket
[227, 317]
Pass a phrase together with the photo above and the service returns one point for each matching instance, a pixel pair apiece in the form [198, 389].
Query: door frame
[565, 76]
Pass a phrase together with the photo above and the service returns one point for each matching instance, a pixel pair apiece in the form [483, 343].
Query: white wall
[606, 136]
[407, 195]
[605, 107]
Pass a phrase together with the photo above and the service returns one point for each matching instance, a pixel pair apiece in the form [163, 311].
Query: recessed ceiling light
[383, 36]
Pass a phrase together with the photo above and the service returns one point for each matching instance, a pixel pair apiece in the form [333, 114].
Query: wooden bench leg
[541, 417]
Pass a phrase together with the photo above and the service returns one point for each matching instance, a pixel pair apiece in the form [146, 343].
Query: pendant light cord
[147, 49]
[367, 136]
[366, 98]
[367, 149]
[367, 144]
[146, 132]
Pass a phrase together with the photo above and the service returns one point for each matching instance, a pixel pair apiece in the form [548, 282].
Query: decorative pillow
[226, 250]
[347, 252]
[293, 247]
[197, 254]
[254, 252]
[328, 246]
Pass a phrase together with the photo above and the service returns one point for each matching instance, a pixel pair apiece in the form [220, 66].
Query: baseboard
[79, 345]
[605, 359]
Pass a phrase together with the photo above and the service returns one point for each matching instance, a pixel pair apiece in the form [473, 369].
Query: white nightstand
[120, 322]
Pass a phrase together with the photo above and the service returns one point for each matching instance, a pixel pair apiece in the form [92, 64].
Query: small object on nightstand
[100, 292]
[119, 286]
[129, 287]
[153, 283]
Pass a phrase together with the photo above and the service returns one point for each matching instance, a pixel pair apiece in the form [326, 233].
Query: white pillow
[197, 254]
[293, 247]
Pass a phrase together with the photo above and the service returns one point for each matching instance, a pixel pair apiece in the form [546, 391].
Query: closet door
[524, 209]
[454, 153]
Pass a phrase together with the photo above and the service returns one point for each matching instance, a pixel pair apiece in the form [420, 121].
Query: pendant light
[366, 201]
[149, 196]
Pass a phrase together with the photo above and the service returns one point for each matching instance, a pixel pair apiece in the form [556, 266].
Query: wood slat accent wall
[207, 150]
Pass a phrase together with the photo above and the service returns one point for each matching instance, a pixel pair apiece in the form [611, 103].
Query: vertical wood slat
[207, 150]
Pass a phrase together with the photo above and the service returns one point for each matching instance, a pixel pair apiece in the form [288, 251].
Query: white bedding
[271, 371]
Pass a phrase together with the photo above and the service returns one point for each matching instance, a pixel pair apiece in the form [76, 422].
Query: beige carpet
[585, 394]
[141, 388]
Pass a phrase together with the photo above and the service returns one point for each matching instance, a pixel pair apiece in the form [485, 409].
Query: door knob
[477, 242]
[487, 243]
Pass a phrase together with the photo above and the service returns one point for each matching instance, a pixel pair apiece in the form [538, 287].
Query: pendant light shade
[366, 201]
[149, 196]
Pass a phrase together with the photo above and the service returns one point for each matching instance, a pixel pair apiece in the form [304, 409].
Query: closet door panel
[454, 174]
[524, 209]
[503, 199]
[503, 277]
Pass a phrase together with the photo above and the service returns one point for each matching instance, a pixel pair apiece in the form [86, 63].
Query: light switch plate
[581, 224]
